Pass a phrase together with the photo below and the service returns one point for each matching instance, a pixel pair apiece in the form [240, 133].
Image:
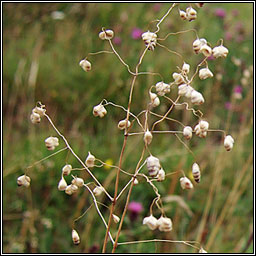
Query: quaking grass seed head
[75, 237]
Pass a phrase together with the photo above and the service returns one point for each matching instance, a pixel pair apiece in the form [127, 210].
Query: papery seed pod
[189, 92]
[161, 175]
[162, 88]
[205, 73]
[107, 34]
[99, 110]
[206, 50]
[136, 182]
[199, 132]
[182, 89]
[228, 142]
[70, 189]
[98, 190]
[197, 98]
[149, 39]
[153, 166]
[151, 222]
[62, 184]
[185, 183]
[204, 125]
[185, 68]
[51, 143]
[164, 224]
[154, 99]
[196, 172]
[90, 160]
[187, 132]
[115, 218]
[198, 43]
[178, 78]
[199, 5]
[75, 237]
[191, 14]
[39, 110]
[148, 137]
[202, 250]
[183, 14]
[24, 180]
[35, 118]
[122, 124]
[79, 182]
[66, 169]
[85, 65]
[220, 51]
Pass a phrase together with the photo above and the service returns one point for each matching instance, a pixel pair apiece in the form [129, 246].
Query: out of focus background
[42, 46]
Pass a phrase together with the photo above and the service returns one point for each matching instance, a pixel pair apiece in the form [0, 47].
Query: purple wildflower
[238, 89]
[157, 7]
[228, 105]
[117, 40]
[235, 12]
[228, 36]
[134, 208]
[136, 33]
[220, 12]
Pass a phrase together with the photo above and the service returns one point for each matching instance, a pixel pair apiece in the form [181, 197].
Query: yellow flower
[108, 162]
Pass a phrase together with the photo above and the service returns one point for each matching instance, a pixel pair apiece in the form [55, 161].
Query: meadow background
[41, 52]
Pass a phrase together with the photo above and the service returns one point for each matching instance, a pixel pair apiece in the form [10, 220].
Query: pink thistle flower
[136, 33]
[117, 40]
[134, 208]
[220, 12]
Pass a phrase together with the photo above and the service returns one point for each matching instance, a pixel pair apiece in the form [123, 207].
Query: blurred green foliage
[40, 63]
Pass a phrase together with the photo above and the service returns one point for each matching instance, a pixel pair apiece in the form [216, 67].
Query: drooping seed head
[151, 222]
[90, 160]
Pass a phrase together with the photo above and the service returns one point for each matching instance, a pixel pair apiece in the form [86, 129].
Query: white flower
[62, 184]
[182, 89]
[149, 39]
[51, 143]
[191, 13]
[99, 110]
[164, 224]
[228, 142]
[178, 78]
[85, 65]
[148, 137]
[115, 218]
[39, 110]
[75, 237]
[196, 172]
[35, 118]
[24, 180]
[198, 43]
[153, 165]
[187, 132]
[205, 73]
[66, 169]
[206, 50]
[189, 92]
[162, 88]
[122, 124]
[90, 160]
[197, 98]
[70, 189]
[78, 182]
[185, 68]
[151, 222]
[154, 99]
[202, 250]
[220, 51]
[185, 183]
[106, 35]
[161, 175]
[202, 133]
[183, 14]
[98, 190]
[204, 125]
